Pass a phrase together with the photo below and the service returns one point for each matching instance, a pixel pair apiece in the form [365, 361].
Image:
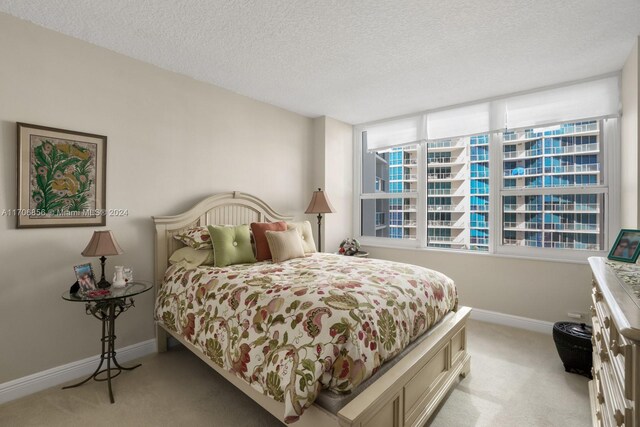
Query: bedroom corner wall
[333, 172]
[171, 141]
[630, 135]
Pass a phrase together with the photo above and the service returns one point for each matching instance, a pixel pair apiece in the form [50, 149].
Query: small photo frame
[84, 275]
[627, 246]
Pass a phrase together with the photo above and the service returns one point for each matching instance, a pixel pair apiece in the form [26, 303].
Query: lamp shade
[319, 203]
[102, 244]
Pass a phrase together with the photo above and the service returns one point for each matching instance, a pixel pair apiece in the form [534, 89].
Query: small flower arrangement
[349, 247]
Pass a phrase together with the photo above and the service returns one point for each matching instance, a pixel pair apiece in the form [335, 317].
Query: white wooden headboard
[232, 208]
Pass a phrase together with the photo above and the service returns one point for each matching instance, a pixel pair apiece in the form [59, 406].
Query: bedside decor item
[349, 247]
[61, 177]
[85, 279]
[128, 274]
[626, 248]
[573, 342]
[118, 277]
[102, 243]
[319, 204]
[106, 305]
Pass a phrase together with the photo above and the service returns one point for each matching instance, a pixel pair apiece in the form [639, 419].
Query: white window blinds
[456, 122]
[393, 133]
[589, 100]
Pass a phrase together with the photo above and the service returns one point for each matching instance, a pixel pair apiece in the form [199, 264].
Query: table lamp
[319, 204]
[102, 243]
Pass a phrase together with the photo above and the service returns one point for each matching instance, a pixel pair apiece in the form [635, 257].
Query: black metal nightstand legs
[107, 312]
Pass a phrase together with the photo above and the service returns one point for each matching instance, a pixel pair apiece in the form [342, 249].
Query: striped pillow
[284, 245]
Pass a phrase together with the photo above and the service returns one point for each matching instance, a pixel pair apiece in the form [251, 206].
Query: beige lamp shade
[319, 203]
[102, 244]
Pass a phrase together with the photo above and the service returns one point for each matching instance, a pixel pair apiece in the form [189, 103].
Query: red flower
[345, 369]
[189, 329]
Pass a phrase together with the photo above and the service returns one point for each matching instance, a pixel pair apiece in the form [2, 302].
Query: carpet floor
[516, 379]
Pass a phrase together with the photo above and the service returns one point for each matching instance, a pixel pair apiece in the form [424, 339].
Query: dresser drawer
[615, 387]
[619, 411]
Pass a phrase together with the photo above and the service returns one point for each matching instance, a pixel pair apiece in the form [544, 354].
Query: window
[525, 190]
[535, 213]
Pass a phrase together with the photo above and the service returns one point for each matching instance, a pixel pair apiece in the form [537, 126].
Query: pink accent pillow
[258, 229]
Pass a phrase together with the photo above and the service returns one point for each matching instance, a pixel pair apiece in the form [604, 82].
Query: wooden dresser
[615, 388]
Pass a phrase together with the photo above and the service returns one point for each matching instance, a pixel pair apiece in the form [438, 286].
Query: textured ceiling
[357, 60]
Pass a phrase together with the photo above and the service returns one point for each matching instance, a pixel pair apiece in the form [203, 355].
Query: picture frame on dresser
[61, 178]
[626, 247]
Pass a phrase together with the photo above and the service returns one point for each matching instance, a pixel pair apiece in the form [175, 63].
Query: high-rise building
[559, 157]
[545, 201]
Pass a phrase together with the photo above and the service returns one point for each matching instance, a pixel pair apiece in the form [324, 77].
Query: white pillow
[284, 245]
[306, 235]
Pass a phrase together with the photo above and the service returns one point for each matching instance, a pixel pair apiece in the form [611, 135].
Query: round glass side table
[107, 308]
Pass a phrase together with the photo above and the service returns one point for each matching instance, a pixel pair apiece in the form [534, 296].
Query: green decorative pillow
[231, 245]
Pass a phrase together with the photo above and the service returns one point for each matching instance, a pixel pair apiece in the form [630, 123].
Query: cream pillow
[284, 245]
[306, 235]
[192, 257]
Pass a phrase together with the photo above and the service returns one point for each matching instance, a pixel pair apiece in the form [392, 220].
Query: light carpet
[516, 379]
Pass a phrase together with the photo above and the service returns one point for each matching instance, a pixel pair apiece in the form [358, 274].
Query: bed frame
[405, 395]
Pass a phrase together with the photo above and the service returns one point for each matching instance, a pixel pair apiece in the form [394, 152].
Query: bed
[283, 332]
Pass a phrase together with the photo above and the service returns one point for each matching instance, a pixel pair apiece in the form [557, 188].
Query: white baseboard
[513, 321]
[55, 376]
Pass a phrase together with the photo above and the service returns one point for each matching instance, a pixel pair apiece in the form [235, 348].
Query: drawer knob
[599, 415]
[600, 398]
[607, 322]
[598, 295]
[616, 348]
[619, 417]
[604, 356]
[598, 336]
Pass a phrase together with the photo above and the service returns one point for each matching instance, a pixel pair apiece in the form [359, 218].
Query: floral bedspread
[294, 328]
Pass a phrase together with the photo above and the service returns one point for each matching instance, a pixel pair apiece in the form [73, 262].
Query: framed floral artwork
[61, 178]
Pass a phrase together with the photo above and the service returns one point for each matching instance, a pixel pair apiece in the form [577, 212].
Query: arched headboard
[231, 208]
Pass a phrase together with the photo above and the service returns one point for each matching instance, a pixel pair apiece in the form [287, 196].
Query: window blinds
[461, 121]
[581, 101]
[393, 133]
[589, 100]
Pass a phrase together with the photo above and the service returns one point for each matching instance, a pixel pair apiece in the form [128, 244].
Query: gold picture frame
[61, 178]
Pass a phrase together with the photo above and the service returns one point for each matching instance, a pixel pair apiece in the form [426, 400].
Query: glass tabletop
[133, 288]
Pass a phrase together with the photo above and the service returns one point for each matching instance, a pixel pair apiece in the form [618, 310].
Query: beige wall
[630, 133]
[542, 290]
[333, 172]
[171, 141]
[338, 171]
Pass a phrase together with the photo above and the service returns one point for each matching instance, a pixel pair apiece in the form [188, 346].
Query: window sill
[459, 252]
